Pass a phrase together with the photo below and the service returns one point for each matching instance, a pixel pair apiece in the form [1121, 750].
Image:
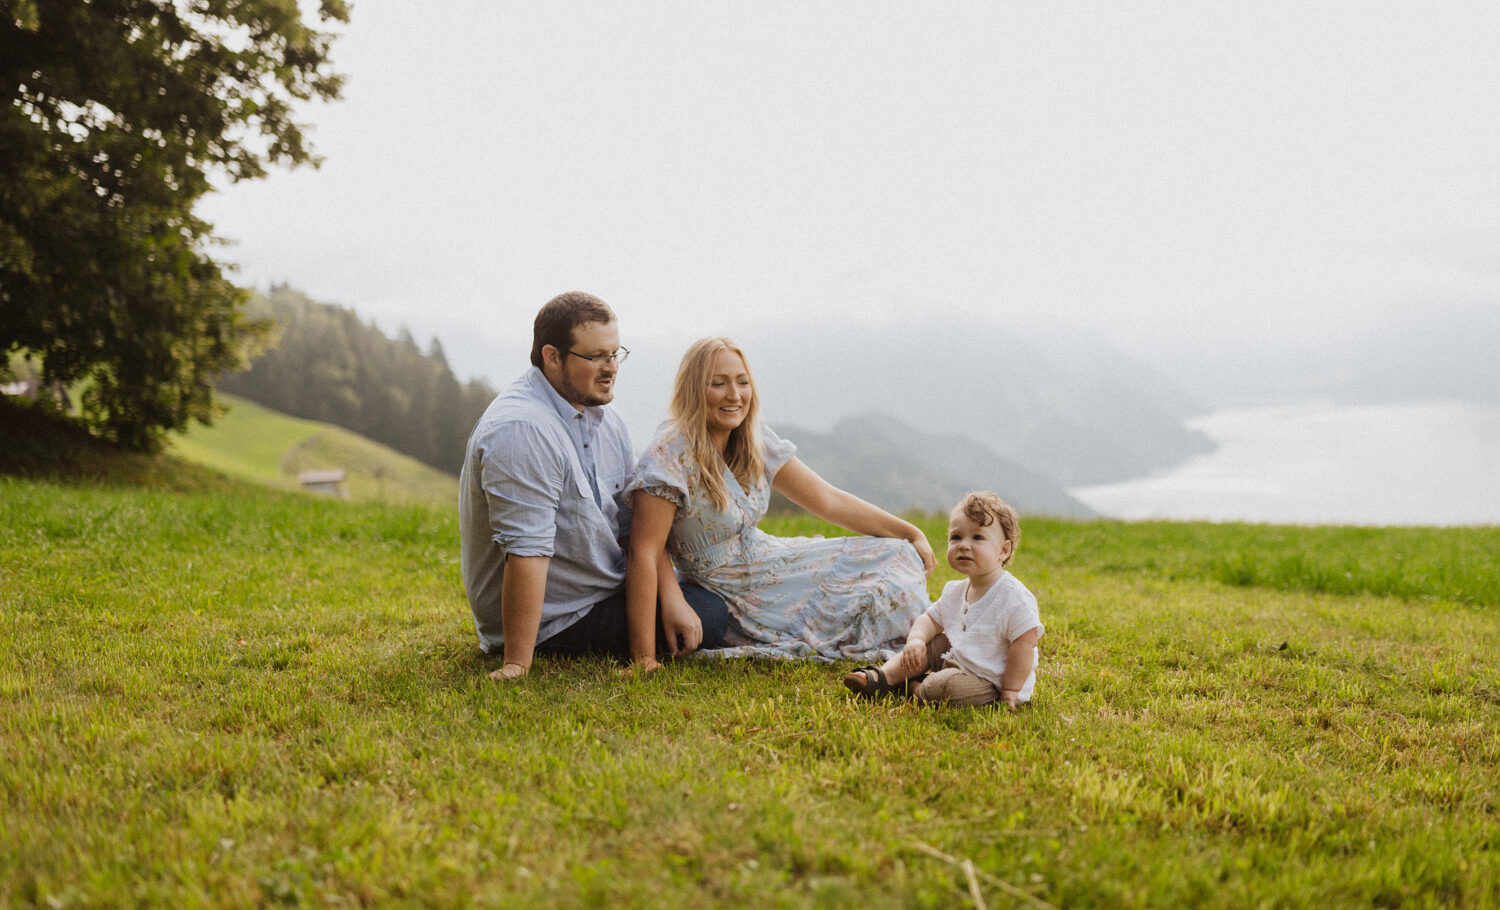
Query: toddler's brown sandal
[870, 682]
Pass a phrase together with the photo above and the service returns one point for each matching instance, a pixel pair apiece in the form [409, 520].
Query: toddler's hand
[1011, 699]
[914, 657]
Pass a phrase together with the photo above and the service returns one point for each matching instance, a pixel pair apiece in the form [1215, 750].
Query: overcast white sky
[1163, 172]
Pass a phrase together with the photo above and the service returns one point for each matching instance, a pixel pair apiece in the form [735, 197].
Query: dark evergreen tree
[325, 364]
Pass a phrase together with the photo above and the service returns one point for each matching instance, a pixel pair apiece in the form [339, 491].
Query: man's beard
[585, 396]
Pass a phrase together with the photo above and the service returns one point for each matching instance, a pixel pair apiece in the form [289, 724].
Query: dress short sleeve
[663, 469]
[778, 451]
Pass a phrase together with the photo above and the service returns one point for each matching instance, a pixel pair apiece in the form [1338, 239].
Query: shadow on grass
[44, 445]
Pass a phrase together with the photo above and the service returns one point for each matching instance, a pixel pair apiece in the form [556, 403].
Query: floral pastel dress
[842, 598]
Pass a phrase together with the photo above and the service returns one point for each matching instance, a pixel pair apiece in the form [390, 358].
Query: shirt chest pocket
[610, 470]
[577, 483]
[581, 485]
[613, 475]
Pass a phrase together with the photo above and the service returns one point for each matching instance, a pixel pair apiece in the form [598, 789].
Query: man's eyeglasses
[616, 357]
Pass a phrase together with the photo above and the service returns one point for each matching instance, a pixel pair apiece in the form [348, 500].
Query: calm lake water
[1435, 463]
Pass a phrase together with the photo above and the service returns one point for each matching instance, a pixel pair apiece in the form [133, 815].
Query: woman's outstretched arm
[802, 485]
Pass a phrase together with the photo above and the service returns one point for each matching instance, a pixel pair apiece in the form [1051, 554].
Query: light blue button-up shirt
[541, 478]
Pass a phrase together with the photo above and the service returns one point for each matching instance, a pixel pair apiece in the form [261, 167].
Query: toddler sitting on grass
[977, 643]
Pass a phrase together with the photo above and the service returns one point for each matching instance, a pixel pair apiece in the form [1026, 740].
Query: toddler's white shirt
[980, 633]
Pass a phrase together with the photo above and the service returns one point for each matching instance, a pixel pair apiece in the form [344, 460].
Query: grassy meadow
[213, 694]
[255, 444]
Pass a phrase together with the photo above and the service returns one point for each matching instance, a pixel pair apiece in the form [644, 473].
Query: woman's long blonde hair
[689, 412]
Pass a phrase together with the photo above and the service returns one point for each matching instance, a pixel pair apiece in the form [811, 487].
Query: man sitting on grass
[540, 514]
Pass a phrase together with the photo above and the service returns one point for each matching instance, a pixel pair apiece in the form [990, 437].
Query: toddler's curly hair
[984, 509]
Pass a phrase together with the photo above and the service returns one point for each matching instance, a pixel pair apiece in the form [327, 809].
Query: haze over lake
[1432, 463]
[1195, 207]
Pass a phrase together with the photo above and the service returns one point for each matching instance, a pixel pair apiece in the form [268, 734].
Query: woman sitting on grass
[701, 488]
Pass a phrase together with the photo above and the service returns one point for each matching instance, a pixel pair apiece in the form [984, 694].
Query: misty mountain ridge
[1435, 352]
[880, 459]
[1071, 407]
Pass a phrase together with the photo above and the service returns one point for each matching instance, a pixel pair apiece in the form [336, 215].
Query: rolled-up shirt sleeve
[523, 477]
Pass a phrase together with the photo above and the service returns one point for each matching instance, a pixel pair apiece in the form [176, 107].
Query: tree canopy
[115, 115]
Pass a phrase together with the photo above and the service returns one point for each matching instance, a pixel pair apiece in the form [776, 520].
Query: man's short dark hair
[555, 322]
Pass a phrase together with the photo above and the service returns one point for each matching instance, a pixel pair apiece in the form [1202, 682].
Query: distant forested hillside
[328, 365]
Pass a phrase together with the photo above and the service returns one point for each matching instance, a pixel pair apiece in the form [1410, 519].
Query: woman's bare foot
[510, 671]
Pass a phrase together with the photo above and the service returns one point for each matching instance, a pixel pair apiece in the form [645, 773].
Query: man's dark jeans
[604, 630]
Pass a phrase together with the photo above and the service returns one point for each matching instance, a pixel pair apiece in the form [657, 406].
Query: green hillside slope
[240, 698]
[259, 445]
